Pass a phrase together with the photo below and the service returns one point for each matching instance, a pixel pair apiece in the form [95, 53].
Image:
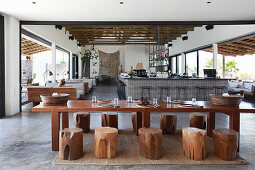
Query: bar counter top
[157, 78]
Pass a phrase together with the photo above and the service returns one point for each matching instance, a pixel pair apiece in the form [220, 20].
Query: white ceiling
[131, 10]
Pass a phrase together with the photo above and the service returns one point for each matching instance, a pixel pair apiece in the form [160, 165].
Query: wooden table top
[81, 105]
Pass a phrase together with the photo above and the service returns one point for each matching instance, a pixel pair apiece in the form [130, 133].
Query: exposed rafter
[29, 47]
[126, 34]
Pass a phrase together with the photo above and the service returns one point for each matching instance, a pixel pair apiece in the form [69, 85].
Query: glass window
[191, 63]
[62, 62]
[205, 61]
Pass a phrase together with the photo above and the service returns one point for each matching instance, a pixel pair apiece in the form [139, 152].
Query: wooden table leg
[146, 118]
[138, 121]
[55, 127]
[210, 123]
[234, 124]
[65, 120]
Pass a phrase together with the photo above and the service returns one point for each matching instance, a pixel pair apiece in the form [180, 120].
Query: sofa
[80, 88]
[246, 88]
[91, 82]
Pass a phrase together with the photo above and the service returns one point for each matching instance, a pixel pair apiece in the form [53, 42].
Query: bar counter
[133, 86]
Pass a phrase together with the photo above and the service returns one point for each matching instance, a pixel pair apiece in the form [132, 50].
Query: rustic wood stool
[225, 143]
[162, 88]
[194, 143]
[197, 120]
[168, 123]
[71, 143]
[110, 119]
[82, 120]
[220, 89]
[105, 145]
[182, 90]
[148, 88]
[150, 140]
[133, 118]
[202, 93]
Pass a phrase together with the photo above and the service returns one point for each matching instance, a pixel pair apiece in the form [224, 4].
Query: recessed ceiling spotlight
[208, 2]
[33, 2]
[121, 2]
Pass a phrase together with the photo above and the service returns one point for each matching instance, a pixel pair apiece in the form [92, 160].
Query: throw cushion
[253, 89]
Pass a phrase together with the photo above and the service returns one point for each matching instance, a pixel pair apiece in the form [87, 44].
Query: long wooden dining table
[142, 113]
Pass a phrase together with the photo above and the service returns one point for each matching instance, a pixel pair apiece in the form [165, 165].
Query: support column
[70, 76]
[182, 63]
[215, 53]
[79, 64]
[53, 63]
[223, 62]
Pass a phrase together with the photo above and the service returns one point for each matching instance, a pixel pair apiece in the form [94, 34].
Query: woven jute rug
[128, 153]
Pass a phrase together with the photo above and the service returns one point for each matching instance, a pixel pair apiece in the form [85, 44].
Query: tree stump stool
[197, 120]
[82, 120]
[71, 143]
[134, 123]
[168, 123]
[194, 143]
[150, 140]
[110, 119]
[105, 145]
[225, 143]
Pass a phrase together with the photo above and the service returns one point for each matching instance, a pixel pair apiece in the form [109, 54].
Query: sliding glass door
[2, 68]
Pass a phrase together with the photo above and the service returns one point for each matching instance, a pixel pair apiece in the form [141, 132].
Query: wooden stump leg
[110, 120]
[105, 145]
[225, 143]
[168, 123]
[82, 120]
[194, 143]
[150, 140]
[71, 143]
[197, 120]
[210, 123]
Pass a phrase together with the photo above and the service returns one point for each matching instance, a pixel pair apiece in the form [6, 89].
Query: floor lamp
[44, 75]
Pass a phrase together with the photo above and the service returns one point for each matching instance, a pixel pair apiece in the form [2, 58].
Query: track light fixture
[71, 38]
[79, 44]
[170, 45]
[209, 27]
[184, 37]
[59, 27]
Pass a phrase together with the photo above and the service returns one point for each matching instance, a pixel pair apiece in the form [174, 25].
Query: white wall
[12, 70]
[130, 55]
[50, 33]
[201, 37]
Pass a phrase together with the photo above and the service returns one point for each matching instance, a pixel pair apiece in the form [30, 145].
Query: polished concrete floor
[25, 139]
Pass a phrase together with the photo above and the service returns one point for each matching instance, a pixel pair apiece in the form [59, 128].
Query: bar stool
[202, 92]
[219, 89]
[183, 90]
[166, 88]
[148, 89]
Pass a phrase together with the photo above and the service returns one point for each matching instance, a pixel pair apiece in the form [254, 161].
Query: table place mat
[144, 106]
[105, 105]
[177, 102]
[104, 101]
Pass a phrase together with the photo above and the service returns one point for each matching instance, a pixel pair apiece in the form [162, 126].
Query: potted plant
[87, 56]
[131, 72]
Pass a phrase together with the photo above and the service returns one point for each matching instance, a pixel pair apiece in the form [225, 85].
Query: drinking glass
[130, 100]
[194, 100]
[155, 101]
[94, 99]
[116, 101]
[168, 99]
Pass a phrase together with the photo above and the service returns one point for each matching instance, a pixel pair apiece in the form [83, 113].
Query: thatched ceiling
[127, 34]
[29, 47]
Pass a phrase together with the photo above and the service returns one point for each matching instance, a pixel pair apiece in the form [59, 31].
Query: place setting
[105, 103]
